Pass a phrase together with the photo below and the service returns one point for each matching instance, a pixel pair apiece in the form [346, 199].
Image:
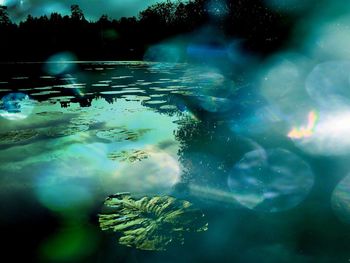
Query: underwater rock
[151, 223]
[128, 156]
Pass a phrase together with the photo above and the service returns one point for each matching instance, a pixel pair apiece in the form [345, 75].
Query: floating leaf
[17, 136]
[151, 223]
[66, 130]
[128, 156]
[120, 134]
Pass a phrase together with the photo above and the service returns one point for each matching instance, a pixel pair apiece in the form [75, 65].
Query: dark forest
[260, 30]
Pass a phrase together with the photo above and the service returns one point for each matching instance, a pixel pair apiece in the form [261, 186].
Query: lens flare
[329, 135]
[60, 63]
[305, 131]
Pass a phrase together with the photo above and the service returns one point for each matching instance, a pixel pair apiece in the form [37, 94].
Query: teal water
[69, 140]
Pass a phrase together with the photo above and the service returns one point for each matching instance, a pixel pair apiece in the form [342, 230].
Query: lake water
[72, 134]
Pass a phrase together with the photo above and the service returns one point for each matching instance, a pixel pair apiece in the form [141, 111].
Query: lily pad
[66, 130]
[51, 114]
[17, 136]
[151, 223]
[120, 134]
[128, 156]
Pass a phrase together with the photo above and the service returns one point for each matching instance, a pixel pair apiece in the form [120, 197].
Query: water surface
[72, 134]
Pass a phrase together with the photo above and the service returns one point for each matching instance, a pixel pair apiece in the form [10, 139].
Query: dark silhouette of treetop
[77, 13]
[128, 38]
[4, 17]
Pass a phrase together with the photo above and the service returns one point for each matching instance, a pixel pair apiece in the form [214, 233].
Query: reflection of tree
[207, 151]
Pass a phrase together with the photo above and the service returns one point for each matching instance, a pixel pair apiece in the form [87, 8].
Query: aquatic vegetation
[156, 102]
[65, 130]
[83, 120]
[168, 107]
[128, 156]
[49, 114]
[17, 136]
[46, 92]
[151, 223]
[119, 134]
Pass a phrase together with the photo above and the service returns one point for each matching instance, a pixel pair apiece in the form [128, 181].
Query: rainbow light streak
[305, 132]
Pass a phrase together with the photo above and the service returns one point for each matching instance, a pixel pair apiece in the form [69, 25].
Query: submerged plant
[151, 223]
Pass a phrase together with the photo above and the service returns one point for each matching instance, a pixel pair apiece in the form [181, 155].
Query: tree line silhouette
[36, 38]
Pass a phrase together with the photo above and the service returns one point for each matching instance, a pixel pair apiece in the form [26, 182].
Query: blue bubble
[63, 195]
[341, 200]
[330, 80]
[200, 51]
[60, 63]
[16, 106]
[169, 53]
[270, 181]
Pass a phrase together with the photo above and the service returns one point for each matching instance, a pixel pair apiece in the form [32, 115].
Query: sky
[93, 9]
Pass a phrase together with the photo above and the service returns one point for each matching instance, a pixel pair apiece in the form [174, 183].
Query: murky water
[73, 133]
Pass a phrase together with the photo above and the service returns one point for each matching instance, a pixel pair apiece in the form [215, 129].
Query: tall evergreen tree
[77, 13]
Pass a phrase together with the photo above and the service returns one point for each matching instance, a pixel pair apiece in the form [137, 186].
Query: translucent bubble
[282, 84]
[330, 39]
[16, 106]
[200, 51]
[169, 53]
[271, 181]
[212, 91]
[264, 119]
[64, 187]
[235, 53]
[69, 243]
[330, 80]
[214, 104]
[341, 200]
[60, 63]
[18, 8]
